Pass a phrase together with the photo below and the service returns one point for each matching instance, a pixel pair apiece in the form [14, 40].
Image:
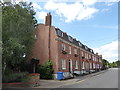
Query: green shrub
[25, 79]
[8, 71]
[14, 77]
[45, 70]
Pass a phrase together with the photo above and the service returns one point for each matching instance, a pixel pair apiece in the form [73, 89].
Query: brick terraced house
[68, 55]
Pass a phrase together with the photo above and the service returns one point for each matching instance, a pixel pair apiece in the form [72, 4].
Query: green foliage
[15, 77]
[25, 79]
[105, 63]
[45, 70]
[118, 63]
[115, 64]
[18, 24]
[8, 71]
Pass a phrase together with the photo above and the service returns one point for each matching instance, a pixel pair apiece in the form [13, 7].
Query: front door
[70, 66]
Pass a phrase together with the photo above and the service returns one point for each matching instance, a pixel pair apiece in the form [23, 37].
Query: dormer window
[62, 34]
[86, 47]
[91, 50]
[59, 32]
[80, 44]
[70, 38]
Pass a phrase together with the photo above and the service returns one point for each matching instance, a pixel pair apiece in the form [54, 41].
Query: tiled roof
[64, 36]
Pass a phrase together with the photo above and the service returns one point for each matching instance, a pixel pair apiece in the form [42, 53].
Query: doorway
[70, 66]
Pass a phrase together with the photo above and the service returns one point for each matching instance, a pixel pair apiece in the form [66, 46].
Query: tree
[118, 63]
[17, 33]
[105, 63]
[46, 70]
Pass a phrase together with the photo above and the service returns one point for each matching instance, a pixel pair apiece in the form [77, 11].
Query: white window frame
[87, 65]
[63, 46]
[76, 64]
[83, 65]
[93, 58]
[90, 65]
[75, 51]
[89, 56]
[63, 64]
[94, 66]
[85, 55]
[70, 52]
[62, 34]
[82, 53]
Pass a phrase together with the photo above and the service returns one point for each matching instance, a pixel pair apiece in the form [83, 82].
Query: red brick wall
[67, 57]
[41, 50]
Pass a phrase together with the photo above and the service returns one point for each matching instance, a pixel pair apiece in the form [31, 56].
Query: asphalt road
[107, 79]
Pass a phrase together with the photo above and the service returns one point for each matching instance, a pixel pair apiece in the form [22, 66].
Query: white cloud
[109, 51]
[89, 2]
[86, 13]
[14, 1]
[36, 6]
[108, 0]
[41, 15]
[110, 4]
[75, 11]
[112, 0]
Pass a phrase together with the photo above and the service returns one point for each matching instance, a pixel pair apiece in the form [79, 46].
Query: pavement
[108, 79]
[57, 83]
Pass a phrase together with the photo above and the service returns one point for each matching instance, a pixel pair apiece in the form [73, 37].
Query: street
[102, 79]
[108, 79]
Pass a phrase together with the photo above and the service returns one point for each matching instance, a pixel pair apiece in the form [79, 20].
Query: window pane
[76, 64]
[63, 64]
[63, 46]
[75, 51]
[69, 50]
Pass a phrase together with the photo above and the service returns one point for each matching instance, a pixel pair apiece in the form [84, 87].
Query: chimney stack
[48, 19]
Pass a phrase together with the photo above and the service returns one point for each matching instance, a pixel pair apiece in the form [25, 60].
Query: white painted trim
[63, 64]
[71, 65]
[67, 42]
[73, 45]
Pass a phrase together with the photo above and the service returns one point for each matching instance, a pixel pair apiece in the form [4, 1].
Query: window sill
[76, 68]
[63, 68]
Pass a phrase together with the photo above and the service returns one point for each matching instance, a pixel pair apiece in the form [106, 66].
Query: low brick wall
[34, 77]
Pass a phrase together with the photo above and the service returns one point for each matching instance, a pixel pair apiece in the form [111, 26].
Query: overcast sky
[93, 22]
